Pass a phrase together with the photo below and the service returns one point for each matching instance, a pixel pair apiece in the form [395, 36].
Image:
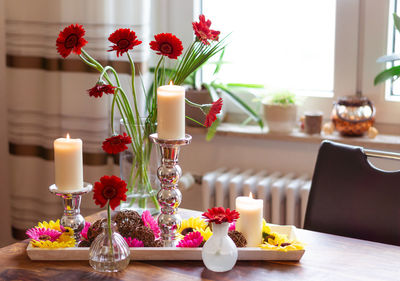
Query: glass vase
[138, 166]
[109, 252]
[219, 253]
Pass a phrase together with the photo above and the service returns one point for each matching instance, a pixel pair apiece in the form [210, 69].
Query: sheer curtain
[47, 98]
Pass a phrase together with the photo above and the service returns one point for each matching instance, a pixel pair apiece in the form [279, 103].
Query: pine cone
[238, 238]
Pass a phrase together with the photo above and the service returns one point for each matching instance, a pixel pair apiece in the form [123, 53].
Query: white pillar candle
[68, 164]
[171, 112]
[250, 220]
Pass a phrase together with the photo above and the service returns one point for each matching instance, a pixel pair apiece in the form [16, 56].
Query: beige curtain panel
[47, 98]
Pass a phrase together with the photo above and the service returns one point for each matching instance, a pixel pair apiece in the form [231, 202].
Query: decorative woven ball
[238, 238]
[95, 229]
[157, 243]
[143, 234]
[125, 228]
[128, 215]
[84, 243]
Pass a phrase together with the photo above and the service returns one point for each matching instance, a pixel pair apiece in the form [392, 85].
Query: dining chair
[350, 197]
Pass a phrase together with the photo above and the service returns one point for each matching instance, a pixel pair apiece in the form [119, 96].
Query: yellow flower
[265, 227]
[50, 225]
[194, 223]
[65, 240]
[206, 233]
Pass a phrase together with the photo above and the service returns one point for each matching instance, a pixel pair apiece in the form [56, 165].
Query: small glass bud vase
[109, 252]
[219, 253]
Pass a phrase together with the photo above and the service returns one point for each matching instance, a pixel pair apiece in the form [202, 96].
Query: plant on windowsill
[280, 111]
[394, 71]
[209, 92]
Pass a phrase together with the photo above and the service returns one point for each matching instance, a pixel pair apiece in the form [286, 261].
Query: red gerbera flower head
[220, 215]
[100, 88]
[71, 40]
[124, 40]
[116, 144]
[109, 189]
[203, 32]
[211, 111]
[167, 44]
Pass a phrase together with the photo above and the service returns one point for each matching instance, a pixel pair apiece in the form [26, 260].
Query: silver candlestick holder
[72, 202]
[169, 197]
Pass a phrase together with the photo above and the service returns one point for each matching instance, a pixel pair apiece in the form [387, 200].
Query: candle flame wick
[170, 83]
[251, 195]
[67, 136]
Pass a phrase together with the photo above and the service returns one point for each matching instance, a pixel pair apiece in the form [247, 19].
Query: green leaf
[219, 62]
[241, 104]
[213, 129]
[241, 85]
[213, 93]
[396, 20]
[387, 74]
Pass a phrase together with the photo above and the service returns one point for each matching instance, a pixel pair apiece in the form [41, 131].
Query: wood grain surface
[327, 257]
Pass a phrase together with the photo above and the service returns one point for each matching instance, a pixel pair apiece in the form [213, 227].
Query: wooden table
[327, 257]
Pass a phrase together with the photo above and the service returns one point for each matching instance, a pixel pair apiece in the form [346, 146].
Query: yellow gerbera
[194, 223]
[51, 224]
[265, 227]
[293, 246]
[55, 244]
[206, 233]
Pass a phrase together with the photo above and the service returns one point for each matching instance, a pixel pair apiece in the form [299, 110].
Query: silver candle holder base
[72, 201]
[169, 197]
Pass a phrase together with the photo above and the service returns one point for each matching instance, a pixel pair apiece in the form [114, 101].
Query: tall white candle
[171, 112]
[68, 164]
[250, 220]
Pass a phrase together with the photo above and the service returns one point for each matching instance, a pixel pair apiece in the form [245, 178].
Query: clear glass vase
[109, 252]
[219, 253]
[138, 166]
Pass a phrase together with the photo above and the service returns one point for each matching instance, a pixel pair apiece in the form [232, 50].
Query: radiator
[285, 195]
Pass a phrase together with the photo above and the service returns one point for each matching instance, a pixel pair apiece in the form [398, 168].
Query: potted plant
[208, 92]
[280, 111]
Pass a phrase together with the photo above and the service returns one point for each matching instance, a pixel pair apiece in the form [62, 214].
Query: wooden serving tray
[148, 253]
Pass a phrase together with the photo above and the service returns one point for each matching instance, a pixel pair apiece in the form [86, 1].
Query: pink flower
[232, 226]
[85, 230]
[133, 242]
[43, 234]
[191, 240]
[151, 223]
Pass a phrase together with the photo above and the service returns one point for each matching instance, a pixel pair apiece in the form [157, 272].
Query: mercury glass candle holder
[72, 201]
[169, 197]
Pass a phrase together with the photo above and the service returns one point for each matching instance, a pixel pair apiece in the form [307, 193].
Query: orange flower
[110, 189]
[124, 40]
[167, 44]
[203, 32]
[71, 40]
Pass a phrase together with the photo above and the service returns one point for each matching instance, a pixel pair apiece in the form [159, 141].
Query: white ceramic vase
[280, 118]
[219, 253]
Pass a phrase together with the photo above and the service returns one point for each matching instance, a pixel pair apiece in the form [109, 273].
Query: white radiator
[285, 195]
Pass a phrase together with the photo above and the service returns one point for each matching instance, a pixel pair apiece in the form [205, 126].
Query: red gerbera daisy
[71, 40]
[220, 215]
[167, 44]
[213, 111]
[110, 189]
[116, 144]
[203, 32]
[124, 40]
[99, 89]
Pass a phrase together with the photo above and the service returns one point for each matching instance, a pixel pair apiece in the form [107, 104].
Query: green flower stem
[193, 103]
[109, 229]
[134, 92]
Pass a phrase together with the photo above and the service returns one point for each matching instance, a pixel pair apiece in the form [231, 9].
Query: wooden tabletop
[327, 257]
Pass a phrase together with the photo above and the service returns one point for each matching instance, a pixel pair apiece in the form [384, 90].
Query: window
[393, 87]
[287, 44]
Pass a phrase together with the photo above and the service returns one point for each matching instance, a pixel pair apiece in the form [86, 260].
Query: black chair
[350, 197]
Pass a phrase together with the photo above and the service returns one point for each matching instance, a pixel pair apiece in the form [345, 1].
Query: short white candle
[171, 112]
[68, 164]
[250, 220]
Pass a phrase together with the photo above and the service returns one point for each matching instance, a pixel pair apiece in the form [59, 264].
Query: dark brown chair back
[350, 197]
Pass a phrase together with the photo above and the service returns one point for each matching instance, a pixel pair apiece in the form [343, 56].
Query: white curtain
[46, 94]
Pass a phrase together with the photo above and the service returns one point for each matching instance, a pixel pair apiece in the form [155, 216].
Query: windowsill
[382, 141]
